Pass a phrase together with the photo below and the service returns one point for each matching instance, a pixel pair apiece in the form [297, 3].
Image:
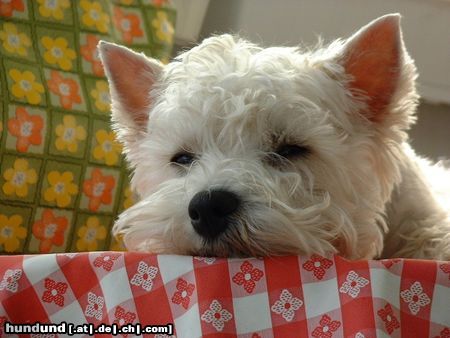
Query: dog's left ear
[131, 77]
[377, 62]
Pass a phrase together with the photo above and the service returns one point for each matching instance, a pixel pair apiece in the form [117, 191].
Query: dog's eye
[285, 153]
[291, 151]
[183, 158]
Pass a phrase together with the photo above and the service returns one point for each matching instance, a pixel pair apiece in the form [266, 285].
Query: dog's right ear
[131, 77]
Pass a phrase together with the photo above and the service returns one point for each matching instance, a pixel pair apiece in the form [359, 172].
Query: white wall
[426, 28]
[431, 135]
[189, 19]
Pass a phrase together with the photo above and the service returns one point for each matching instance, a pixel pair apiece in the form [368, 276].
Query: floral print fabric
[62, 177]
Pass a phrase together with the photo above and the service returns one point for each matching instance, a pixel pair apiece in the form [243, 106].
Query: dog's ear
[374, 57]
[131, 77]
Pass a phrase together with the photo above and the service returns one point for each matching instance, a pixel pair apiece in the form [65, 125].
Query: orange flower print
[65, 88]
[50, 230]
[90, 54]
[128, 25]
[27, 128]
[8, 6]
[98, 189]
[159, 2]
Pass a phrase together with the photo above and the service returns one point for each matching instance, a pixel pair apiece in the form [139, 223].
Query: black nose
[210, 210]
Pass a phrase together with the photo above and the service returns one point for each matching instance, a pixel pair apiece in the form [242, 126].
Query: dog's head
[240, 150]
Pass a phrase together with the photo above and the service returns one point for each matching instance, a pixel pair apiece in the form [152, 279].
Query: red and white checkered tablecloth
[282, 297]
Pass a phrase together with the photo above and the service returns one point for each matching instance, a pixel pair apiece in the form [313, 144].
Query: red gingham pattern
[210, 297]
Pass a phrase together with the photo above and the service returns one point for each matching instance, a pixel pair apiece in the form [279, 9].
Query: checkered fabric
[209, 297]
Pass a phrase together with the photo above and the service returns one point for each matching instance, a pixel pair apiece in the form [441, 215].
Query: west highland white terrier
[239, 150]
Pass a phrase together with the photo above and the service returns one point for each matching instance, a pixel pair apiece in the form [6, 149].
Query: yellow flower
[18, 178]
[89, 234]
[108, 149]
[57, 52]
[164, 28]
[61, 188]
[93, 15]
[68, 134]
[129, 198]
[53, 8]
[26, 86]
[101, 96]
[13, 41]
[11, 232]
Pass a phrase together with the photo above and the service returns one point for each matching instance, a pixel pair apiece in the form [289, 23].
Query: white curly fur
[360, 191]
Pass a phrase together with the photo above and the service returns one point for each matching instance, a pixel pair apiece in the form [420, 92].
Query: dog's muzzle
[210, 212]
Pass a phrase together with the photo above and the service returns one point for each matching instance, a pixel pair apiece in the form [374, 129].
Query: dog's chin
[234, 244]
[226, 245]
[217, 249]
[210, 251]
[220, 248]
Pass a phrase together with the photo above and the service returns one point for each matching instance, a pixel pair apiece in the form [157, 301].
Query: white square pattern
[38, 267]
[172, 266]
[321, 297]
[385, 285]
[116, 288]
[73, 312]
[252, 313]
[188, 325]
[440, 309]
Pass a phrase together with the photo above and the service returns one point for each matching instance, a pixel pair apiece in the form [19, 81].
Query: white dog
[243, 151]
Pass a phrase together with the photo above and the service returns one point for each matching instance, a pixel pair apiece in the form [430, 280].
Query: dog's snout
[210, 210]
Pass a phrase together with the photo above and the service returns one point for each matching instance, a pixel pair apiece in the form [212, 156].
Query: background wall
[431, 134]
[426, 30]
